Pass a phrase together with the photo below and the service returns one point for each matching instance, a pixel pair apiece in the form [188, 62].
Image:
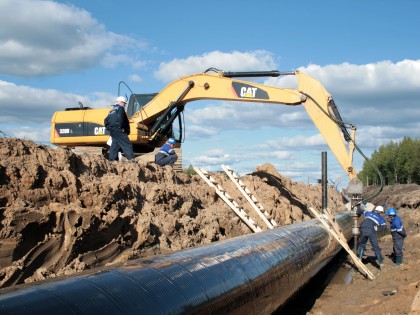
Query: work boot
[398, 260]
[360, 253]
[380, 261]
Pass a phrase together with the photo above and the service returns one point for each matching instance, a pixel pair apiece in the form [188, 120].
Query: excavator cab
[169, 125]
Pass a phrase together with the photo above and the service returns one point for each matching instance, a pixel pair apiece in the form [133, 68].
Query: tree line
[398, 162]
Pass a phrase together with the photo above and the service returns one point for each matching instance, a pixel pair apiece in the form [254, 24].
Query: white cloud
[368, 78]
[298, 169]
[282, 155]
[362, 91]
[295, 142]
[194, 132]
[35, 103]
[112, 61]
[27, 112]
[213, 160]
[234, 61]
[258, 153]
[36, 133]
[375, 136]
[238, 115]
[42, 37]
[136, 78]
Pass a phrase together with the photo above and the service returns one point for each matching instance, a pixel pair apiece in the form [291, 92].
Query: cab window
[137, 101]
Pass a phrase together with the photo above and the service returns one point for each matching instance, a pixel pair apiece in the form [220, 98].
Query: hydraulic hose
[342, 125]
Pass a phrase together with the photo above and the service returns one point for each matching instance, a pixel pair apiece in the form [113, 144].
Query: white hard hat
[379, 209]
[121, 99]
[369, 206]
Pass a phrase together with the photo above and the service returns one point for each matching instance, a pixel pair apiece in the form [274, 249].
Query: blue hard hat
[391, 211]
[171, 141]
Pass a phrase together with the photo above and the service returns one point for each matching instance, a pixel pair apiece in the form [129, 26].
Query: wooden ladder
[240, 212]
[264, 215]
[331, 226]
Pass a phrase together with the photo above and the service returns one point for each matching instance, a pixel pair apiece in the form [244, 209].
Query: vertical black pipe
[324, 181]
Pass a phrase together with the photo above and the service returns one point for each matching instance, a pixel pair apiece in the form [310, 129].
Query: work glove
[403, 233]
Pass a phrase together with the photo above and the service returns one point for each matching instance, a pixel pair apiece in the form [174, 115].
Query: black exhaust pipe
[324, 181]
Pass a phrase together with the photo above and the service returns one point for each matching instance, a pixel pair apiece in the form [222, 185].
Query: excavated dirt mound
[62, 213]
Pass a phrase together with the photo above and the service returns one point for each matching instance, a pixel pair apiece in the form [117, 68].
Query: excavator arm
[221, 86]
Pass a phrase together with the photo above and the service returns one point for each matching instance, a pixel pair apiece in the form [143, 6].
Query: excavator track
[146, 157]
[80, 150]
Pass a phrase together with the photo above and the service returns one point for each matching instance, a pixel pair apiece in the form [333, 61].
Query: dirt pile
[61, 213]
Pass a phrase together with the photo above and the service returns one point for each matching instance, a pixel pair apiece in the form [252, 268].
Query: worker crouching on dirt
[373, 223]
[166, 154]
[118, 126]
[398, 234]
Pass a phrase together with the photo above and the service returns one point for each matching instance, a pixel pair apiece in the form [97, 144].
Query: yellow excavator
[158, 116]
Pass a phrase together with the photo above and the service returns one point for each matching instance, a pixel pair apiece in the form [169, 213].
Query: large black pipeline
[251, 274]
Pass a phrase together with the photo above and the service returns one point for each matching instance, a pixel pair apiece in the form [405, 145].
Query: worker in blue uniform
[119, 128]
[166, 154]
[373, 223]
[398, 234]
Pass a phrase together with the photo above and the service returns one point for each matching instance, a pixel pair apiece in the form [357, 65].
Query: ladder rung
[250, 197]
[228, 199]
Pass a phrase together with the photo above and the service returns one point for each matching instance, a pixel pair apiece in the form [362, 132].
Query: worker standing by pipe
[398, 235]
[373, 223]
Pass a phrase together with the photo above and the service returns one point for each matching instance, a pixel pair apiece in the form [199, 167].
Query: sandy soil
[61, 213]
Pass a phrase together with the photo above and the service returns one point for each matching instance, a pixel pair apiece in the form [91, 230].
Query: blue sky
[365, 53]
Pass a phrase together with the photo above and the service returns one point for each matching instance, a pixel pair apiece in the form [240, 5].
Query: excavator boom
[220, 86]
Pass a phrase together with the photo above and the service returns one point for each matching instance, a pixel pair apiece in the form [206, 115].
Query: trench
[334, 272]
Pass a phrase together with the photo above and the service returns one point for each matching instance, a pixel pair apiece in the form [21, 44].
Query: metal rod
[273, 73]
[251, 274]
[324, 181]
